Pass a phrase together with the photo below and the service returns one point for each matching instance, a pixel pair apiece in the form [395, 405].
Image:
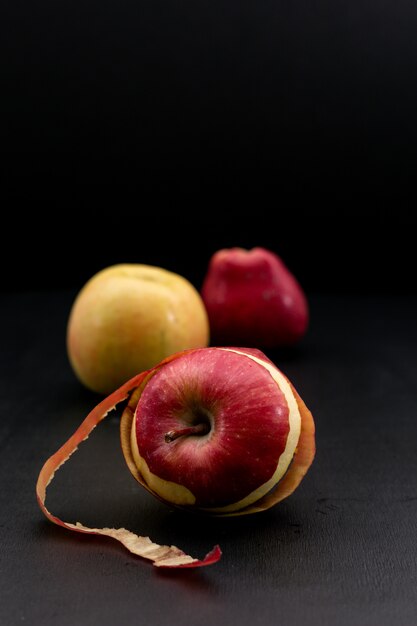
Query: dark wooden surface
[341, 550]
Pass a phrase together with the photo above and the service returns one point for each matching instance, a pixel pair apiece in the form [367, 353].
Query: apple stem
[198, 429]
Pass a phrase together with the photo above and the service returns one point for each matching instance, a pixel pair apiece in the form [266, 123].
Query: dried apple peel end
[162, 556]
[211, 558]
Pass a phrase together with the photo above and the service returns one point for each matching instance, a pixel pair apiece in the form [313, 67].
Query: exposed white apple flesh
[215, 429]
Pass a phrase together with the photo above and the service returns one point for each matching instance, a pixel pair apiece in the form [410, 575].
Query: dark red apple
[252, 299]
[214, 429]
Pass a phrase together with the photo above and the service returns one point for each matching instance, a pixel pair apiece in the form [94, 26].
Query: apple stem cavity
[199, 429]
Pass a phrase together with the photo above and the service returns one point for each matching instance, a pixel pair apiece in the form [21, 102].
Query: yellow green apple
[129, 317]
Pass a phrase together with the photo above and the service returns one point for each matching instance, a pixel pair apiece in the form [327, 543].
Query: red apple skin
[249, 425]
[252, 299]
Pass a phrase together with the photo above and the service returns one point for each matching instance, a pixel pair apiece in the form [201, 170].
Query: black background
[158, 132]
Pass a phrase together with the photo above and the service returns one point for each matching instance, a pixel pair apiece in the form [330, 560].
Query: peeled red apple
[216, 430]
[220, 430]
[252, 299]
[127, 318]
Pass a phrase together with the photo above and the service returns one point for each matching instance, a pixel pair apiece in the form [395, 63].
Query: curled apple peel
[216, 430]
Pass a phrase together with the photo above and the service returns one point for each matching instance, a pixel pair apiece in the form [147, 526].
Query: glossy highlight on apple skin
[252, 299]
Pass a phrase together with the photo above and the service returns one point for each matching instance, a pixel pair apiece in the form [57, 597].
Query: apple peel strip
[303, 458]
[161, 556]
